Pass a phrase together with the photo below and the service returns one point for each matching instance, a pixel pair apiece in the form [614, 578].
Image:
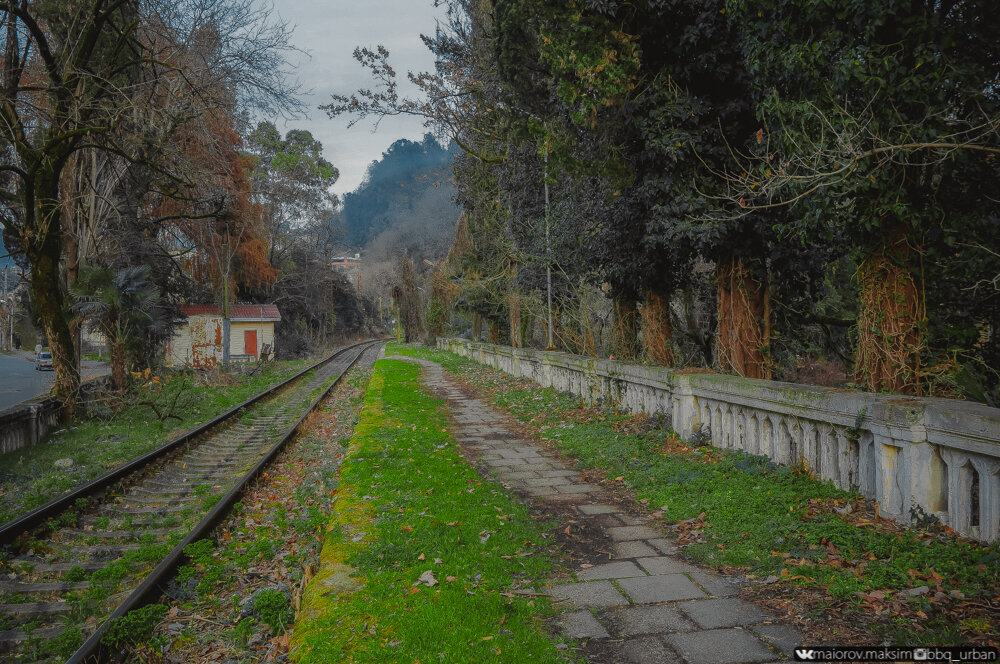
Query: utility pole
[548, 250]
[10, 307]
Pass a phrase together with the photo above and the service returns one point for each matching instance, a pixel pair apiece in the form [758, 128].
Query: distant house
[346, 263]
[197, 342]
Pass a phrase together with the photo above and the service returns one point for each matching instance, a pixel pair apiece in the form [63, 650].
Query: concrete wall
[26, 423]
[936, 456]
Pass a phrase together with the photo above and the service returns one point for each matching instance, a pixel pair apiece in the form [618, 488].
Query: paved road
[19, 380]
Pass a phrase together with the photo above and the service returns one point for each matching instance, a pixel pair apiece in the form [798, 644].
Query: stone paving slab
[664, 588]
[784, 638]
[648, 619]
[715, 584]
[633, 549]
[663, 545]
[608, 521]
[593, 594]
[610, 571]
[623, 533]
[715, 613]
[599, 509]
[647, 650]
[582, 625]
[652, 606]
[522, 475]
[547, 481]
[666, 565]
[719, 646]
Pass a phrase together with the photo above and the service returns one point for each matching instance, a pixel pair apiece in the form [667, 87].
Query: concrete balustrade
[915, 456]
[26, 423]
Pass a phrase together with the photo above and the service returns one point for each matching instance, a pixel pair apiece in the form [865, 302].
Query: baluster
[809, 448]
[754, 434]
[828, 452]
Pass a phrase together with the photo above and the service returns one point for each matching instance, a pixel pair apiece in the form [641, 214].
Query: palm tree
[120, 304]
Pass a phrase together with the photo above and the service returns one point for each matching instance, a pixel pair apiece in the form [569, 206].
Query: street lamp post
[10, 306]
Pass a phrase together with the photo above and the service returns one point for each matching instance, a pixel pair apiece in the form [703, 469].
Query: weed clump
[273, 608]
[66, 643]
[134, 627]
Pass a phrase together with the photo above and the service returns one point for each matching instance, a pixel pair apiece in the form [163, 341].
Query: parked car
[43, 361]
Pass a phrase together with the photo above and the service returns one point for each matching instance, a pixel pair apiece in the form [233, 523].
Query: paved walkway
[633, 599]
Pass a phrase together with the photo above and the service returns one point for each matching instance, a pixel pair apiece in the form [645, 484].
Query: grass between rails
[734, 510]
[96, 444]
[422, 556]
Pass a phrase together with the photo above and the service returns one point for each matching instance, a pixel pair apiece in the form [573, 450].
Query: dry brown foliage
[657, 330]
[742, 302]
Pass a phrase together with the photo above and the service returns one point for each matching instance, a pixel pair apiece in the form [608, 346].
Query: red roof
[249, 312]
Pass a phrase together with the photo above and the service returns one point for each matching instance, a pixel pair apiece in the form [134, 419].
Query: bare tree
[118, 77]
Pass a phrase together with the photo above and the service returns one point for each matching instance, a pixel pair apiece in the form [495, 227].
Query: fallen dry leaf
[427, 578]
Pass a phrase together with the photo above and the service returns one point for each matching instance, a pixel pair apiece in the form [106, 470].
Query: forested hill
[411, 176]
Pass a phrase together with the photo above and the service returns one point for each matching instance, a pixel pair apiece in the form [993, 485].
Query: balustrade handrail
[915, 455]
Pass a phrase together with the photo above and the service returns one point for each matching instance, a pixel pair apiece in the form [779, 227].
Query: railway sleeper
[35, 609]
[220, 459]
[118, 534]
[42, 586]
[11, 638]
[58, 569]
[118, 509]
[179, 485]
[98, 552]
[229, 463]
[118, 522]
[184, 476]
[149, 497]
[153, 493]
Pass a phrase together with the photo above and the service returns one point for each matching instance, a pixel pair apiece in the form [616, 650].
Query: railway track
[63, 591]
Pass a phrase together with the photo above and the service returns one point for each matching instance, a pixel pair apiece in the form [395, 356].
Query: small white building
[198, 341]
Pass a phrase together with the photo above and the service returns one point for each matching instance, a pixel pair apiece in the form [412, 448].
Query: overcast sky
[329, 32]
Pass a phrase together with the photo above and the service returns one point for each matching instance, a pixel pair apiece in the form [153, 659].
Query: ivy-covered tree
[880, 119]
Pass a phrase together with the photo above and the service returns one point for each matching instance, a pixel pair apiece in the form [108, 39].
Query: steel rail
[13, 529]
[93, 651]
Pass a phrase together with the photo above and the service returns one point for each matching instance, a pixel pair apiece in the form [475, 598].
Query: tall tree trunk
[657, 330]
[891, 315]
[516, 329]
[625, 335]
[477, 326]
[116, 357]
[44, 253]
[71, 249]
[492, 331]
[742, 302]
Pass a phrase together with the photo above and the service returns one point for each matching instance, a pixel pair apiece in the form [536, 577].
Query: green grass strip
[764, 518]
[411, 512]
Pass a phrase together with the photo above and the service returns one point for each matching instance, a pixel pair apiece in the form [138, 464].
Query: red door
[250, 343]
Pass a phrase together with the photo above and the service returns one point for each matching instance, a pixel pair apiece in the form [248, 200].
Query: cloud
[329, 32]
